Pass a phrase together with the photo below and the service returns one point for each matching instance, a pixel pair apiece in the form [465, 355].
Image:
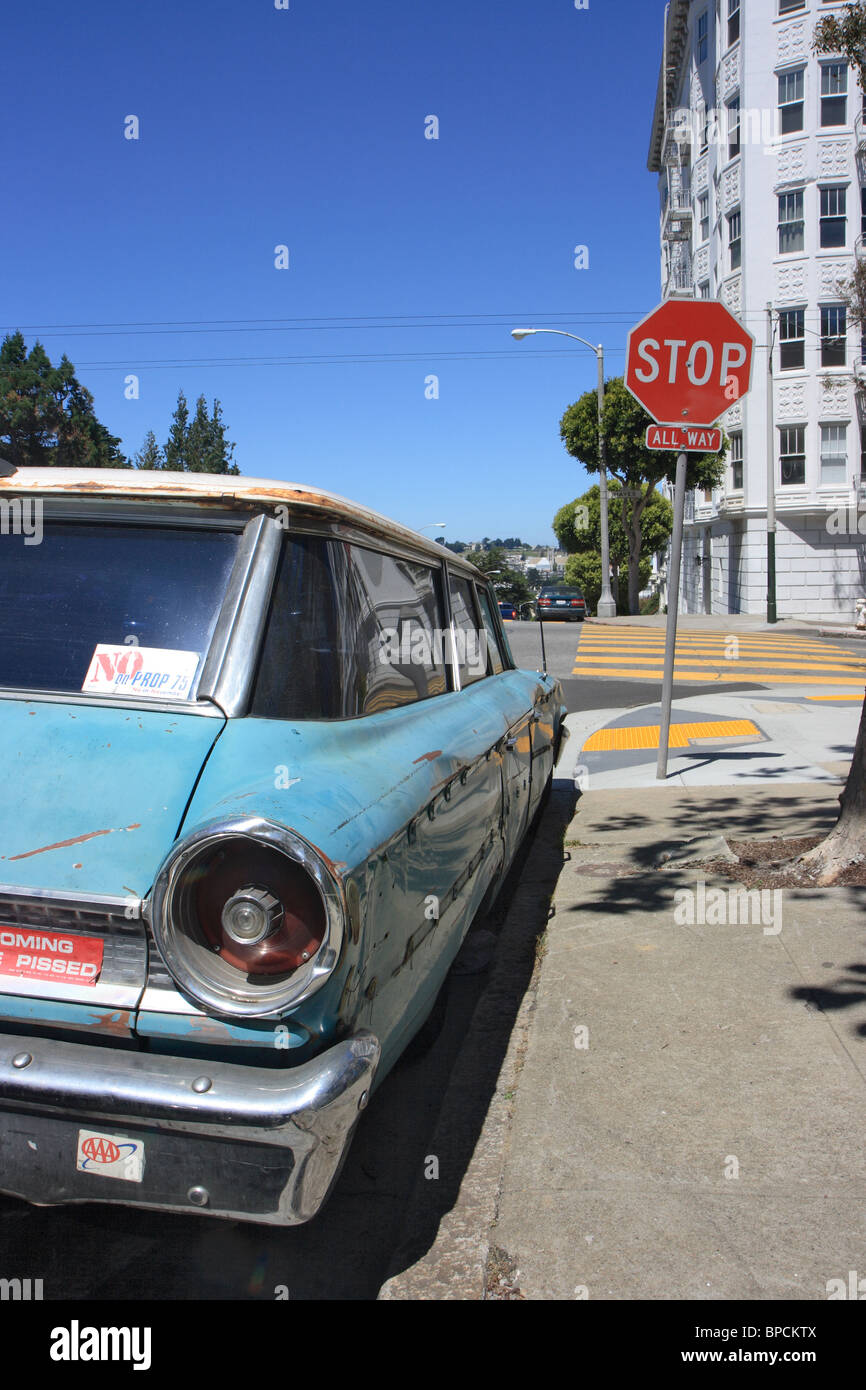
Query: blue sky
[408, 257]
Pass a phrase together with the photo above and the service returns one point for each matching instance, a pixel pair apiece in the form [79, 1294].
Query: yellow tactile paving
[636, 654]
[647, 735]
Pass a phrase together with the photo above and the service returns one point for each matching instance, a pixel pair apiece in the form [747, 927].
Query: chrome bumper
[252, 1143]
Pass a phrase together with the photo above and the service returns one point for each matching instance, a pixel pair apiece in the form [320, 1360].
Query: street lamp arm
[561, 333]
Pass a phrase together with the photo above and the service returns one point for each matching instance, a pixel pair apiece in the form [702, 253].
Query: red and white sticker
[150, 671]
[42, 955]
[110, 1155]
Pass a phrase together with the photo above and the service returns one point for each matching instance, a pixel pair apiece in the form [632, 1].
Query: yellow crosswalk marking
[706, 677]
[637, 654]
[647, 735]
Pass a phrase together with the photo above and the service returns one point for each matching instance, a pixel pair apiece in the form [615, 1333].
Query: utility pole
[771, 478]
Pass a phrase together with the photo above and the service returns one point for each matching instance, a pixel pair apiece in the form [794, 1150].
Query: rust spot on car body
[117, 1021]
[428, 757]
[66, 844]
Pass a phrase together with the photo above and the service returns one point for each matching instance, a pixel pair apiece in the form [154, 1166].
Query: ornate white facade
[759, 146]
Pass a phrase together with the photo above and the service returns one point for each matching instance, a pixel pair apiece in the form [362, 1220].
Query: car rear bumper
[251, 1143]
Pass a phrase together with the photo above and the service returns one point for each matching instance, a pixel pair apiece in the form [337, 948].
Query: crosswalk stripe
[706, 677]
[755, 664]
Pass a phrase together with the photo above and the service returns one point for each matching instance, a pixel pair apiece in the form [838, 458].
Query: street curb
[454, 1265]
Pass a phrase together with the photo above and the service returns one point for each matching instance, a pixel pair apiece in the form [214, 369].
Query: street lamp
[434, 526]
[606, 605]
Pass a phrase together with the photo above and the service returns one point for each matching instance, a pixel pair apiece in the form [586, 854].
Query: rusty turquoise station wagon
[266, 755]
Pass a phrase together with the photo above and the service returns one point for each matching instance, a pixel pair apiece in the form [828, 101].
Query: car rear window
[90, 584]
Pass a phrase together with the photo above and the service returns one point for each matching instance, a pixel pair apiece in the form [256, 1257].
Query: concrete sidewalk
[679, 1114]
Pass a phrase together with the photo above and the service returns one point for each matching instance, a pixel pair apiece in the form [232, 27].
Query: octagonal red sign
[688, 361]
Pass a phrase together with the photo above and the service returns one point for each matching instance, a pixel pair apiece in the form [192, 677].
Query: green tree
[150, 455]
[47, 418]
[584, 570]
[577, 527]
[198, 445]
[845, 34]
[176, 451]
[639, 470]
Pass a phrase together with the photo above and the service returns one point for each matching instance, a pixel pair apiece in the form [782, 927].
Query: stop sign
[688, 361]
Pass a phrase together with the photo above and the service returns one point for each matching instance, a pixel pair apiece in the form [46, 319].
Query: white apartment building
[760, 151]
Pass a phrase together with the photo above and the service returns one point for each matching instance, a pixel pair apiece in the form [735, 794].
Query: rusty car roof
[220, 488]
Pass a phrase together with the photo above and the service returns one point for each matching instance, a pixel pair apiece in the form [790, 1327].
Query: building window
[737, 461]
[833, 216]
[704, 290]
[834, 454]
[705, 130]
[733, 21]
[863, 212]
[792, 339]
[786, 5]
[733, 127]
[791, 101]
[792, 454]
[834, 326]
[834, 88]
[735, 245]
[703, 36]
[791, 227]
[704, 215]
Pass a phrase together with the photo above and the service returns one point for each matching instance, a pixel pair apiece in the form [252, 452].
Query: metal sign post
[673, 609]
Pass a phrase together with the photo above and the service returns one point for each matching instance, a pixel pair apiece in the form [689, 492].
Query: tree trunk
[846, 843]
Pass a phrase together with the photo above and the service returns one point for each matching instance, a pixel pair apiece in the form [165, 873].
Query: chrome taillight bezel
[204, 978]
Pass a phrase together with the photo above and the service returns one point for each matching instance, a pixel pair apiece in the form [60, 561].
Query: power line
[324, 359]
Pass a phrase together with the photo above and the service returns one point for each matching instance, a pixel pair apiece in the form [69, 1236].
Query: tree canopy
[845, 34]
[47, 418]
[198, 445]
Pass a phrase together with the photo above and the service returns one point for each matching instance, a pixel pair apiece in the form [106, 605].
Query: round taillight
[247, 918]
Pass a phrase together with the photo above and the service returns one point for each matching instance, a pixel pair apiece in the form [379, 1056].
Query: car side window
[471, 643]
[350, 631]
[493, 643]
[400, 654]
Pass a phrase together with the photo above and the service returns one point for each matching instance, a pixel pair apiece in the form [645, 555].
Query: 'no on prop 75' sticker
[148, 671]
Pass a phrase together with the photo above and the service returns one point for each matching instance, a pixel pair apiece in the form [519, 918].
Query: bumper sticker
[110, 1155]
[41, 955]
[151, 671]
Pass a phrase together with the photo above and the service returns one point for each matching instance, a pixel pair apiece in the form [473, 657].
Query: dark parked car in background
[568, 604]
[507, 610]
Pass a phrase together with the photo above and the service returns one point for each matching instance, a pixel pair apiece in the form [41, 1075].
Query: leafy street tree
[198, 445]
[638, 470]
[577, 527]
[509, 584]
[845, 846]
[47, 417]
[845, 34]
[149, 455]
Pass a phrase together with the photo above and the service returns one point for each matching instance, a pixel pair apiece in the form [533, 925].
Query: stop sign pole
[686, 363]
